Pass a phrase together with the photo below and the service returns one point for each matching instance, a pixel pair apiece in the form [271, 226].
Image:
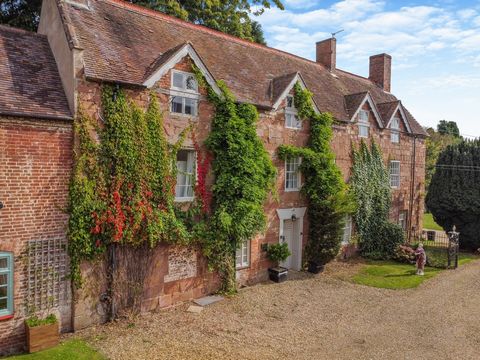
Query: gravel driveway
[318, 317]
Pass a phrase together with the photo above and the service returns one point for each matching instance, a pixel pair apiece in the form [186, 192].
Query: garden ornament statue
[421, 259]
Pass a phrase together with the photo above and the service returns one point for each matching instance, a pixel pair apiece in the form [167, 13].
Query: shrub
[278, 252]
[454, 193]
[404, 254]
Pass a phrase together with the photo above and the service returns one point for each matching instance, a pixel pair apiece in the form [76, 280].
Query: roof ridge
[20, 31]
[158, 14]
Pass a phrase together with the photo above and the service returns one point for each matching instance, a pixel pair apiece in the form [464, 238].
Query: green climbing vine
[244, 176]
[324, 187]
[370, 187]
[122, 189]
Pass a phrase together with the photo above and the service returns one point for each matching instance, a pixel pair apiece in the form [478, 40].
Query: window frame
[292, 111]
[363, 124]
[395, 131]
[394, 182]
[184, 74]
[183, 94]
[299, 174]
[243, 264]
[193, 174]
[9, 271]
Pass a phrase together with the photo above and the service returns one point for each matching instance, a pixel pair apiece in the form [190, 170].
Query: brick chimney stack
[327, 53]
[381, 71]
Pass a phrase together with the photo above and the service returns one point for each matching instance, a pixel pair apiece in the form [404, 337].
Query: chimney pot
[327, 53]
[381, 71]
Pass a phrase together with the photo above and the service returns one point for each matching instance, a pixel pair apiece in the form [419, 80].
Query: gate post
[453, 246]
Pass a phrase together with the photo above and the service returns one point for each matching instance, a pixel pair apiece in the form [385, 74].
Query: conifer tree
[454, 193]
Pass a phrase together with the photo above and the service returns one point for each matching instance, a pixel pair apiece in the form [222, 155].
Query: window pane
[363, 131]
[395, 137]
[3, 279]
[3, 304]
[190, 106]
[394, 173]
[185, 174]
[3, 291]
[3, 263]
[290, 102]
[178, 80]
[395, 124]
[191, 83]
[363, 116]
[177, 104]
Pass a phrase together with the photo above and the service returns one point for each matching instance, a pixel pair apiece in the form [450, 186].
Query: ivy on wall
[122, 189]
[244, 177]
[370, 187]
[324, 187]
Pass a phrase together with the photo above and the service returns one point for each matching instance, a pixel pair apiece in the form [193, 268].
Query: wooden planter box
[42, 337]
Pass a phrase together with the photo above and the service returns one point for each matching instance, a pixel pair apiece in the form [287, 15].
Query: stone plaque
[182, 264]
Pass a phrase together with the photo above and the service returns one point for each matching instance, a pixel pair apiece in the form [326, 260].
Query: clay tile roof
[353, 102]
[29, 81]
[386, 110]
[279, 84]
[122, 41]
[162, 59]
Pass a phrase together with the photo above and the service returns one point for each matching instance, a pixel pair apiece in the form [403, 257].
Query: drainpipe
[412, 188]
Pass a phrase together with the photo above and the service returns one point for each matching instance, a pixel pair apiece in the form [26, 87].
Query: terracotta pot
[42, 337]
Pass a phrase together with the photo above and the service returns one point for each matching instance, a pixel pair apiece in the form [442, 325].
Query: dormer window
[363, 124]
[395, 130]
[184, 93]
[291, 115]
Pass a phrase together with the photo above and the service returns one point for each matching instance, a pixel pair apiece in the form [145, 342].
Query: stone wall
[35, 167]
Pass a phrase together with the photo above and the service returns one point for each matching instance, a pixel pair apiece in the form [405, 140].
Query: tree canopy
[435, 144]
[229, 16]
[445, 127]
[454, 193]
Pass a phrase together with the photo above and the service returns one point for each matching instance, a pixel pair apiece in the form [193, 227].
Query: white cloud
[466, 13]
[301, 4]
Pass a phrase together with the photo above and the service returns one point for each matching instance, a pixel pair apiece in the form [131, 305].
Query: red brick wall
[271, 128]
[35, 167]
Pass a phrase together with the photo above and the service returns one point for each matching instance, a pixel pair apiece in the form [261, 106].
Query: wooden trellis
[47, 283]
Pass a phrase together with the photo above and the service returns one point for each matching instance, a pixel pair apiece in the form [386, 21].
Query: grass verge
[429, 223]
[68, 350]
[393, 275]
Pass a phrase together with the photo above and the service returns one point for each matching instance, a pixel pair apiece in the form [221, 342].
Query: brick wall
[35, 167]
[180, 274]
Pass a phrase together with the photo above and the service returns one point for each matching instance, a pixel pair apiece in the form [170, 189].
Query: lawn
[67, 350]
[393, 275]
[429, 223]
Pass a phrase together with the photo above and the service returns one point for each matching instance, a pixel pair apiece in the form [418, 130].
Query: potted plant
[278, 253]
[41, 333]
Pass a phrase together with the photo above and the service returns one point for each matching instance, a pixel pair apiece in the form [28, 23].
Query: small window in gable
[6, 284]
[291, 115]
[184, 90]
[395, 130]
[363, 124]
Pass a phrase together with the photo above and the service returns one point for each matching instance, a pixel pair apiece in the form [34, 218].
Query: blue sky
[435, 47]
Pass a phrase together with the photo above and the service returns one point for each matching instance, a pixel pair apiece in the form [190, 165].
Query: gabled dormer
[363, 111]
[395, 119]
[281, 90]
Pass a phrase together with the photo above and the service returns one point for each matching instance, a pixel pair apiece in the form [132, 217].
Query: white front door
[291, 236]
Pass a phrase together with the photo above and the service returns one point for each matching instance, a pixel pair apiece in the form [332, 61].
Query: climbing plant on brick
[123, 186]
[324, 186]
[244, 176]
[370, 187]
